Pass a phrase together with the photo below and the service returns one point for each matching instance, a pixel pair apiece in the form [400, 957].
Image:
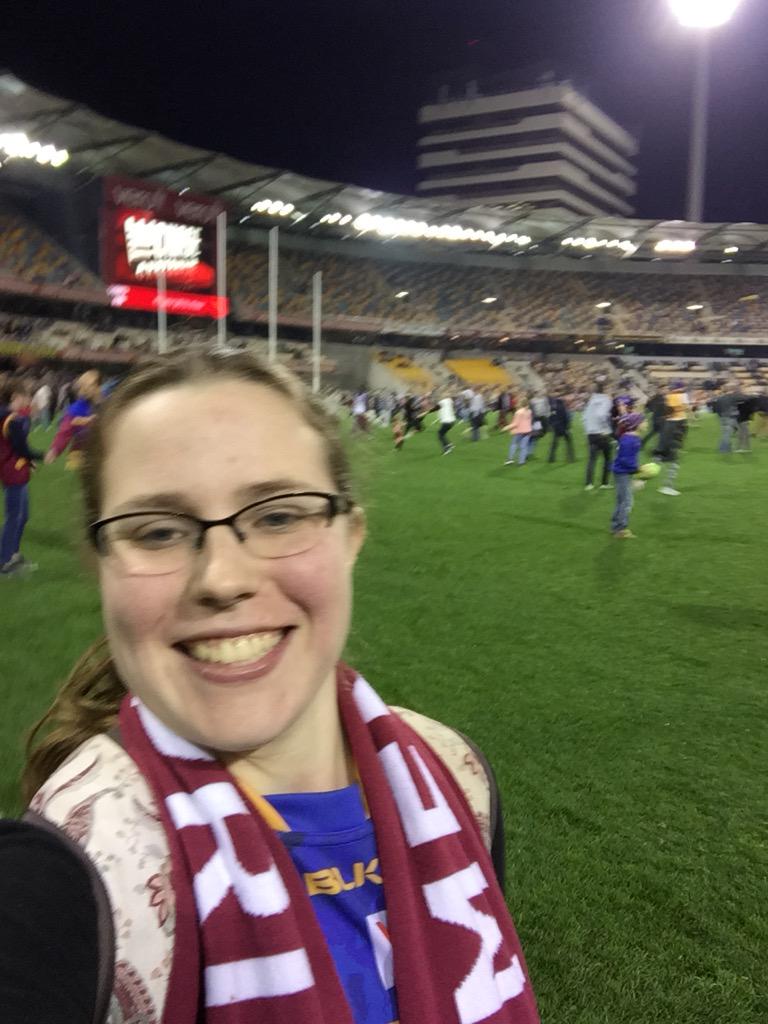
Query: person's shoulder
[99, 764]
[465, 761]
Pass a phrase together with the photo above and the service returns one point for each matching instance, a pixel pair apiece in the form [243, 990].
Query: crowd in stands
[575, 378]
[709, 376]
[28, 254]
[442, 297]
[439, 299]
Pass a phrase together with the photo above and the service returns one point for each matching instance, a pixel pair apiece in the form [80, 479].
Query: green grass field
[618, 687]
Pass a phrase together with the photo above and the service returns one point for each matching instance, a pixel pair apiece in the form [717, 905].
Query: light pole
[703, 16]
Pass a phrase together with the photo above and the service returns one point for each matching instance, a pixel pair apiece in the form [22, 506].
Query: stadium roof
[263, 196]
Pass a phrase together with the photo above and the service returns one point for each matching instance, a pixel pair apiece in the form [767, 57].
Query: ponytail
[87, 704]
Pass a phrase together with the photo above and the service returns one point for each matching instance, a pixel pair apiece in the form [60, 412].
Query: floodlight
[675, 245]
[694, 307]
[703, 13]
[489, 298]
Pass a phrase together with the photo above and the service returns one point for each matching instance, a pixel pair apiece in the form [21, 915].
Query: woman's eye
[158, 536]
[277, 520]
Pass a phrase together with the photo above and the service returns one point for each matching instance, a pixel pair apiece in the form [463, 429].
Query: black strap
[104, 920]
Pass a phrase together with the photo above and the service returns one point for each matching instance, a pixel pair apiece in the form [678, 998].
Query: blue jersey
[627, 455]
[332, 843]
[80, 407]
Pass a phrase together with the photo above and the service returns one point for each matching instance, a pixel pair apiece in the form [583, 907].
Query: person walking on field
[476, 413]
[727, 408]
[520, 428]
[746, 409]
[447, 418]
[541, 410]
[412, 420]
[560, 421]
[41, 402]
[360, 412]
[672, 436]
[505, 405]
[16, 460]
[597, 427]
[656, 408]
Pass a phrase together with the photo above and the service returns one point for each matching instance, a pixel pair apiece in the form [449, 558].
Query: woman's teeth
[235, 649]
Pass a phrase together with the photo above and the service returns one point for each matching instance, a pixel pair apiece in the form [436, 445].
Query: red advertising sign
[149, 230]
[128, 296]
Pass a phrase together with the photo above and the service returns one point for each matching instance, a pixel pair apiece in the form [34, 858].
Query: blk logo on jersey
[331, 882]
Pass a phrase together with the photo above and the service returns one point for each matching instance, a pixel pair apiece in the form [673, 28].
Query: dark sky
[332, 89]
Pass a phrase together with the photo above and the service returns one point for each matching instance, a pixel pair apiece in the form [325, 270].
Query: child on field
[520, 428]
[625, 465]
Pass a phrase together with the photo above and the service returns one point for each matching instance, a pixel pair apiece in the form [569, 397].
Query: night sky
[332, 89]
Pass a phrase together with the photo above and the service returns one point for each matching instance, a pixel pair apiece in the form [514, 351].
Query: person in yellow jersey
[677, 408]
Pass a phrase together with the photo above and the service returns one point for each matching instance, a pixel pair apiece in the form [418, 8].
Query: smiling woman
[259, 836]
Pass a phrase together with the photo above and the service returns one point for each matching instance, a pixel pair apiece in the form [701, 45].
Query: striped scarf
[248, 945]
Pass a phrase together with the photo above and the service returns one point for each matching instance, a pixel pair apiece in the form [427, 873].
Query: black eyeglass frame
[338, 504]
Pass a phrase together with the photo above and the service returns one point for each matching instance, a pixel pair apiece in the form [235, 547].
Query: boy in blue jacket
[625, 465]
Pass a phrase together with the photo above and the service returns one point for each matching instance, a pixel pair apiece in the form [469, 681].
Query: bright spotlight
[703, 13]
[489, 299]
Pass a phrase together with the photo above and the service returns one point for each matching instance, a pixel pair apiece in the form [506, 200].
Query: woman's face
[202, 449]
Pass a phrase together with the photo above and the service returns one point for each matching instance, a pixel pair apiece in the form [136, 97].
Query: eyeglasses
[159, 543]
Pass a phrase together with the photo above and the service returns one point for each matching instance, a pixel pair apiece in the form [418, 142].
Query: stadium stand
[441, 298]
[479, 371]
[450, 297]
[26, 253]
[407, 371]
[708, 375]
[440, 313]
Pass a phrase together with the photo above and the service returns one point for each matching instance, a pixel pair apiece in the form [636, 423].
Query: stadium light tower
[703, 16]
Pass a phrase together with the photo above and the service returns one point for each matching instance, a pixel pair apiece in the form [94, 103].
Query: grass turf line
[618, 688]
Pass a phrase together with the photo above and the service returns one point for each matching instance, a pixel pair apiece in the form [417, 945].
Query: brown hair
[89, 700]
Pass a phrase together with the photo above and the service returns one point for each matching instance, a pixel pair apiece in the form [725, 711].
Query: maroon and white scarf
[244, 921]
